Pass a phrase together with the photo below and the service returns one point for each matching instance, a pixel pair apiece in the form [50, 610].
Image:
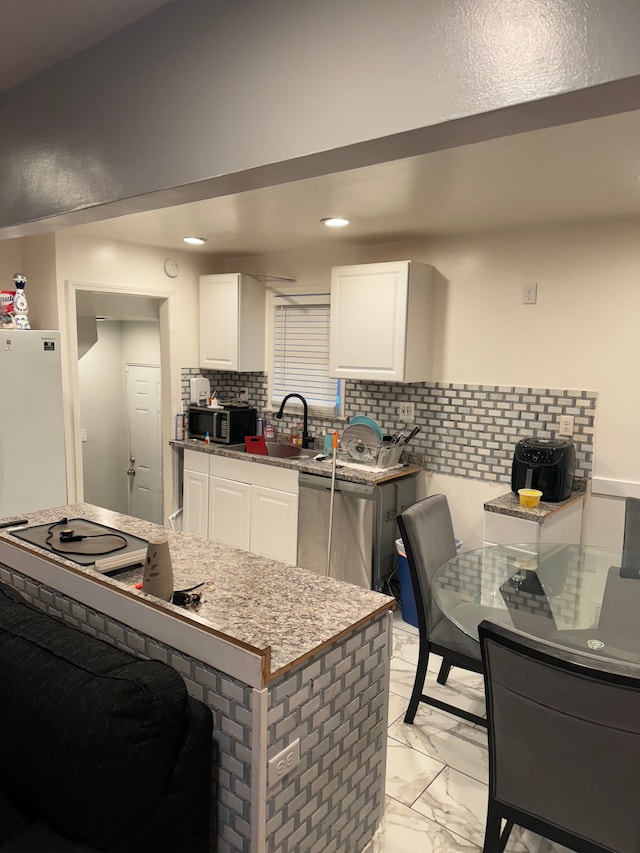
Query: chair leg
[418, 684]
[445, 669]
[494, 841]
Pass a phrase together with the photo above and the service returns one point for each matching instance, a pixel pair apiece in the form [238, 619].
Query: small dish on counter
[529, 498]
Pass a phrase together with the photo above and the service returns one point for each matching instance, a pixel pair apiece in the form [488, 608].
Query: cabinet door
[509, 530]
[232, 322]
[196, 502]
[274, 524]
[230, 512]
[368, 321]
[219, 312]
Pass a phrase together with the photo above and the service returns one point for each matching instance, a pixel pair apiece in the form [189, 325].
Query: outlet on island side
[283, 762]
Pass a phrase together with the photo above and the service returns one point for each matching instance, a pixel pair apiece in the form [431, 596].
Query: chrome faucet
[305, 415]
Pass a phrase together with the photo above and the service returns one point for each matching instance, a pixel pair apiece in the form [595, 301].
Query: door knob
[132, 459]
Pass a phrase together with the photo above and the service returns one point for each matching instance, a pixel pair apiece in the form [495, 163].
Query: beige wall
[581, 334]
[10, 262]
[582, 329]
[129, 268]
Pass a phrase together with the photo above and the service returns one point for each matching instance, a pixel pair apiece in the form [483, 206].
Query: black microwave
[228, 425]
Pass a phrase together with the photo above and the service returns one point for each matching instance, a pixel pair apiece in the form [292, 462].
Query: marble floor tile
[409, 772]
[524, 841]
[403, 830]
[458, 802]
[437, 769]
[464, 694]
[448, 739]
[397, 707]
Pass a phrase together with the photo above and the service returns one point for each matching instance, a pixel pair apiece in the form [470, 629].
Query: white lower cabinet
[230, 512]
[565, 525]
[274, 524]
[245, 504]
[195, 484]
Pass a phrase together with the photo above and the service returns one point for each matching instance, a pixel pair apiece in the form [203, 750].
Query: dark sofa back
[90, 733]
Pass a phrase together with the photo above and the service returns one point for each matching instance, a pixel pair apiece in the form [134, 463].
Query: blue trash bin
[407, 599]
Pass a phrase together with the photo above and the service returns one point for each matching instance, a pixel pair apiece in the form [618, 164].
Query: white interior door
[145, 448]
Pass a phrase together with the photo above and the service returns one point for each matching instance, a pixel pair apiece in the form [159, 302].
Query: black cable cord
[65, 521]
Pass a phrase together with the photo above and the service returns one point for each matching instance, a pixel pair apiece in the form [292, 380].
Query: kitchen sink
[280, 450]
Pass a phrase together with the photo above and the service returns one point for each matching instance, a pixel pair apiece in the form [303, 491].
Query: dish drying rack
[379, 456]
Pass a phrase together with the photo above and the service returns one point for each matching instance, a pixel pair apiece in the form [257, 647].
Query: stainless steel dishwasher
[364, 527]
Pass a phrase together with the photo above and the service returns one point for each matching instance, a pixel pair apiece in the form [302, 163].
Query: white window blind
[301, 352]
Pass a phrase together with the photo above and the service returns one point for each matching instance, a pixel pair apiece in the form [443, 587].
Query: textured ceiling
[37, 34]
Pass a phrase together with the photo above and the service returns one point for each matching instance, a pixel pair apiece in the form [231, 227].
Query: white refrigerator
[32, 451]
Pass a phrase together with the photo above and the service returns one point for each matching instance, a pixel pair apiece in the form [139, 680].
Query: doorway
[120, 403]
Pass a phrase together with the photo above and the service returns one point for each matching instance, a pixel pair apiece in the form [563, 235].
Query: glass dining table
[584, 597]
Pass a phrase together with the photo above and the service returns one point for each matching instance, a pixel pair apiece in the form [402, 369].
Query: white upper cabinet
[379, 321]
[232, 322]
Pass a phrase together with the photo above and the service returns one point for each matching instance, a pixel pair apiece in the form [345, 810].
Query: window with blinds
[301, 353]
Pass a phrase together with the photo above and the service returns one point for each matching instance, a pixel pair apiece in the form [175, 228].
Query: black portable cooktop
[86, 543]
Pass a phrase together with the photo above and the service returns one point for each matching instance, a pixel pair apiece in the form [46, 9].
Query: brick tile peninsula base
[283, 657]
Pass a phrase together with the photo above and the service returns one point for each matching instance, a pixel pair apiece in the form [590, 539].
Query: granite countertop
[349, 472]
[248, 600]
[509, 504]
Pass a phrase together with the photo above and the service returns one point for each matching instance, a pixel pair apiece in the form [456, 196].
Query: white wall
[10, 262]
[140, 343]
[103, 416]
[103, 407]
[39, 266]
[581, 334]
[129, 268]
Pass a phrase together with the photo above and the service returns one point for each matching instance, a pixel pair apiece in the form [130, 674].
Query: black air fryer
[547, 464]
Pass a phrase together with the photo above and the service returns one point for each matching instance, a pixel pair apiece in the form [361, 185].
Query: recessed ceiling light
[195, 241]
[335, 222]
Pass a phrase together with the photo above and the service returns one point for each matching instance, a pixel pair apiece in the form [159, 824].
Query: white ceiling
[37, 34]
[577, 172]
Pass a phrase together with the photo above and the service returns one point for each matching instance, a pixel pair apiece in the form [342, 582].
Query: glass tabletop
[584, 597]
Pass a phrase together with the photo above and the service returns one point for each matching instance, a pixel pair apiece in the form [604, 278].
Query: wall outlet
[407, 411]
[83, 435]
[283, 762]
[243, 395]
[529, 293]
[566, 424]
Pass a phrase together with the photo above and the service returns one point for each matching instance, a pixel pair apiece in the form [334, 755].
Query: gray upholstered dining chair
[429, 541]
[564, 743]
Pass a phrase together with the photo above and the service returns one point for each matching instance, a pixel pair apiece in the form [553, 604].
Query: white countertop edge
[163, 626]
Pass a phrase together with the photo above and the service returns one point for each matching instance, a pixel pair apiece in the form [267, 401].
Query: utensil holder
[157, 579]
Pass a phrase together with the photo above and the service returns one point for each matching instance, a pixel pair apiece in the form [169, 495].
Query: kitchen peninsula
[287, 660]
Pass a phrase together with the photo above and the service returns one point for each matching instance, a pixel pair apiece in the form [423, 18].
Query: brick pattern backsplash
[465, 430]
[335, 703]
[336, 706]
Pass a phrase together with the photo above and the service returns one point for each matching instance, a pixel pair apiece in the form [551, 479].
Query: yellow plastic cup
[529, 498]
